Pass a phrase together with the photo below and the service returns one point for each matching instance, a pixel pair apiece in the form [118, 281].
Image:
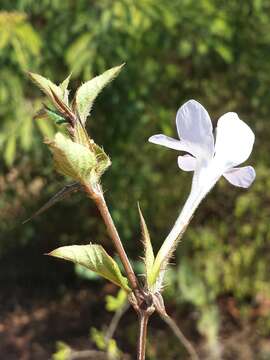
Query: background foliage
[214, 51]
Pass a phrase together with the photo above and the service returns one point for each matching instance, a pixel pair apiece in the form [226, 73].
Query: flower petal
[187, 162]
[169, 142]
[194, 126]
[234, 140]
[242, 177]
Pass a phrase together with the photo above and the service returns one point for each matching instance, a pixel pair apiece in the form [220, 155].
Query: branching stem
[181, 337]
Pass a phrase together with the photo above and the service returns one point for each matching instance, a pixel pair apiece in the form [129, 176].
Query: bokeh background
[218, 289]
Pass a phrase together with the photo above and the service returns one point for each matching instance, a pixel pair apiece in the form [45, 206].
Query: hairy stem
[97, 196]
[181, 337]
[143, 322]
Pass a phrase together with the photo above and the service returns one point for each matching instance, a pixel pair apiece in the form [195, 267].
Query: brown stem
[97, 196]
[143, 322]
[180, 336]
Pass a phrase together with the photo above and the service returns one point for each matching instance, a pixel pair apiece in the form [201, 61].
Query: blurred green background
[217, 52]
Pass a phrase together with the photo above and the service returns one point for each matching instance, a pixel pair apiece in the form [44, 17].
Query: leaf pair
[85, 95]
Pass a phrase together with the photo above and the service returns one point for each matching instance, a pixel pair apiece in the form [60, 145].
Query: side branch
[180, 336]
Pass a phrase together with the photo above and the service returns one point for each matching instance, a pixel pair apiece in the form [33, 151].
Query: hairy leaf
[64, 88]
[46, 86]
[95, 258]
[72, 159]
[88, 91]
[103, 160]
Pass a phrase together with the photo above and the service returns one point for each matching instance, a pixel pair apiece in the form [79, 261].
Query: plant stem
[97, 196]
[181, 337]
[143, 322]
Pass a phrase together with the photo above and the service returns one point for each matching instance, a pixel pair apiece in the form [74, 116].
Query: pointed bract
[59, 196]
[149, 256]
[72, 159]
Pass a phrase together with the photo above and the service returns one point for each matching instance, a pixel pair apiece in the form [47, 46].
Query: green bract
[149, 256]
[72, 159]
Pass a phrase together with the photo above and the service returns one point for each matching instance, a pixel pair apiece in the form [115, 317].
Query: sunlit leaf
[46, 85]
[87, 93]
[95, 258]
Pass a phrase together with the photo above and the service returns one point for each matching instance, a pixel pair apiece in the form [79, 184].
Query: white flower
[209, 158]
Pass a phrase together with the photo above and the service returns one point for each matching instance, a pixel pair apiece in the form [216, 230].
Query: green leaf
[102, 343]
[114, 303]
[95, 258]
[46, 86]
[149, 256]
[10, 150]
[87, 93]
[49, 114]
[64, 88]
[103, 160]
[63, 351]
[72, 159]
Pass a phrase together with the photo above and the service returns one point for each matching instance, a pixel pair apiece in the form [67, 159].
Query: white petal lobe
[169, 142]
[241, 177]
[195, 127]
[187, 162]
[234, 140]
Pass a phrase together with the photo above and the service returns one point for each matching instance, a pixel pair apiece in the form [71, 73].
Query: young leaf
[95, 258]
[49, 114]
[114, 303]
[81, 136]
[46, 85]
[63, 108]
[88, 91]
[64, 88]
[103, 160]
[149, 256]
[60, 195]
[72, 159]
